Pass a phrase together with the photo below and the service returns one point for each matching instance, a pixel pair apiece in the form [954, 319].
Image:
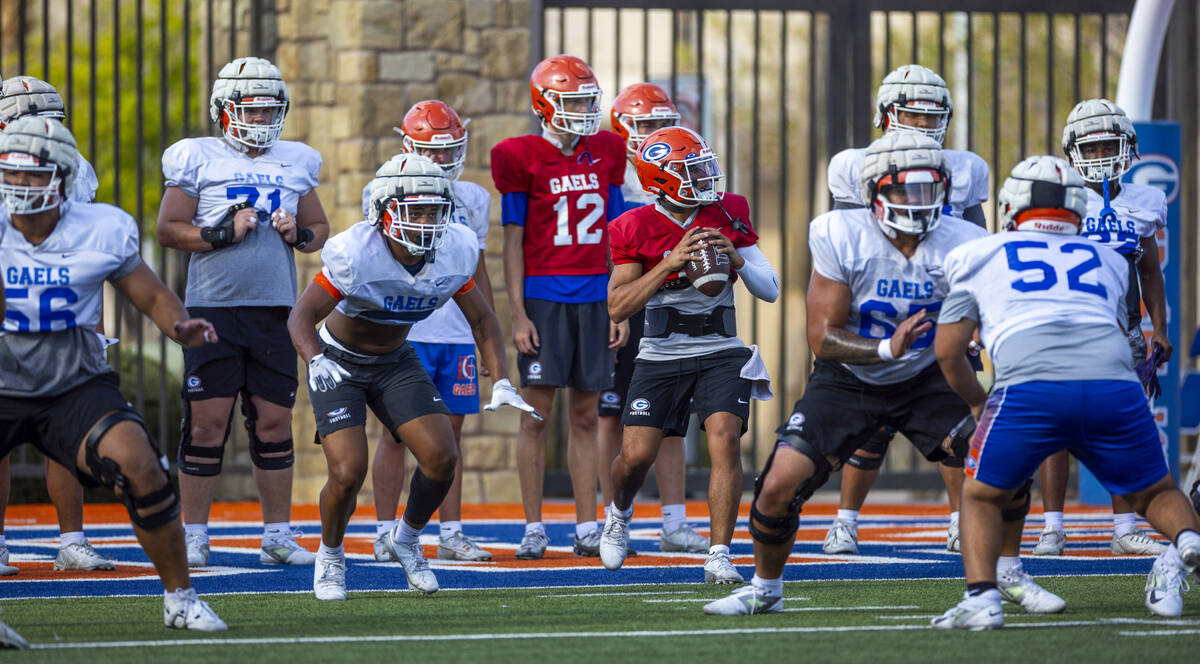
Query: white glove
[504, 394]
[324, 373]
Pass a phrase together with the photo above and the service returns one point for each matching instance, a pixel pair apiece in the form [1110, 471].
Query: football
[708, 270]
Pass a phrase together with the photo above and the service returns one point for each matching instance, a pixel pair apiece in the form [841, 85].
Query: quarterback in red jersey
[559, 189]
[690, 359]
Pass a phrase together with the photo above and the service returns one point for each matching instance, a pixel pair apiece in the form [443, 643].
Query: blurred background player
[379, 278]
[558, 191]
[690, 359]
[911, 98]
[56, 389]
[22, 96]
[1100, 143]
[1050, 308]
[443, 341]
[638, 111]
[242, 204]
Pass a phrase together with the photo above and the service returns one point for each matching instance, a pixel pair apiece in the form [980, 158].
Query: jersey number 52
[1050, 273]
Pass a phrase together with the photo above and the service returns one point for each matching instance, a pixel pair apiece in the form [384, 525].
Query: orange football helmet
[431, 128]
[677, 164]
[640, 104]
[561, 81]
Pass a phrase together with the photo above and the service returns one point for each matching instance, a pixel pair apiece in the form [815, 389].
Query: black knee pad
[213, 456]
[953, 462]
[1018, 513]
[108, 473]
[1195, 496]
[864, 462]
[424, 497]
[258, 447]
[879, 441]
[785, 526]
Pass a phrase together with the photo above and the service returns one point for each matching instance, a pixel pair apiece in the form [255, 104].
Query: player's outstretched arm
[1154, 293]
[314, 304]
[153, 299]
[629, 288]
[829, 308]
[950, 345]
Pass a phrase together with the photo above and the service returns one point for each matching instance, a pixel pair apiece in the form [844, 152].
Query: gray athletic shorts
[395, 386]
[574, 348]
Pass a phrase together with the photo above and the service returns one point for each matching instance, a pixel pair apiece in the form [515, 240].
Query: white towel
[756, 372]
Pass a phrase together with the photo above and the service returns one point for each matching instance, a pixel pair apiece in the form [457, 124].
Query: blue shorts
[451, 367]
[1106, 424]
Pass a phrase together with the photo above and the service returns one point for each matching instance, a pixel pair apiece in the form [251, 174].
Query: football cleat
[614, 541]
[533, 546]
[1165, 586]
[745, 601]
[719, 569]
[383, 549]
[459, 547]
[197, 549]
[81, 556]
[1019, 588]
[283, 549]
[10, 640]
[973, 613]
[683, 539]
[1137, 542]
[953, 545]
[416, 568]
[588, 546]
[5, 568]
[183, 609]
[329, 577]
[1051, 543]
[841, 538]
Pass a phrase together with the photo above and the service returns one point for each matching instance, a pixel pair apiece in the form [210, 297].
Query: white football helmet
[40, 146]
[904, 181]
[914, 89]
[244, 86]
[404, 182]
[26, 95]
[1098, 121]
[1043, 194]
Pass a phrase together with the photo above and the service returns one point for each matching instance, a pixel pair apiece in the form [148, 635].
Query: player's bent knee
[201, 447]
[953, 462]
[144, 466]
[865, 461]
[347, 475]
[1018, 506]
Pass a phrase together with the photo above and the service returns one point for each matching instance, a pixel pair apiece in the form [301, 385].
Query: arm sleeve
[759, 276]
[514, 207]
[824, 255]
[177, 171]
[616, 202]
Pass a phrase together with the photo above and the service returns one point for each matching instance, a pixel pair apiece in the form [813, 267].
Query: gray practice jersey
[54, 293]
[260, 270]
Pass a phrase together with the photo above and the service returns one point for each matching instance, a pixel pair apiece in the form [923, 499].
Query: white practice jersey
[375, 287]
[1048, 305]
[631, 189]
[86, 182]
[447, 325]
[969, 175]
[54, 292]
[1140, 210]
[886, 288]
[260, 270]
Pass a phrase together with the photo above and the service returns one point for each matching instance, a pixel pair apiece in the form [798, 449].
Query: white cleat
[5, 568]
[383, 549]
[197, 549]
[183, 609]
[1019, 588]
[416, 568]
[1137, 542]
[614, 540]
[719, 569]
[841, 538]
[1051, 543]
[283, 549]
[745, 601]
[329, 577]
[952, 543]
[684, 539]
[973, 613]
[533, 546]
[10, 640]
[1165, 587]
[81, 556]
[460, 547]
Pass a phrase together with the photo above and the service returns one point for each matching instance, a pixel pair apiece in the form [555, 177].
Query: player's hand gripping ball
[708, 270]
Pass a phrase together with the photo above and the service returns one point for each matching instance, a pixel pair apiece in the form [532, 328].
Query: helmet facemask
[417, 222]
[27, 199]
[1104, 168]
[910, 201]
[442, 149]
[584, 122]
[700, 180]
[238, 126]
[940, 115]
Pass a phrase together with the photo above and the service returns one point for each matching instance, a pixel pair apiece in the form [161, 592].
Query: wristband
[218, 236]
[303, 237]
[885, 350]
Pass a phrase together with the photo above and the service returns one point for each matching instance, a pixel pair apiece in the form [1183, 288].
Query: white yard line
[660, 592]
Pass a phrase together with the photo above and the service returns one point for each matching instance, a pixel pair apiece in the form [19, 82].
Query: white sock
[535, 527]
[276, 529]
[772, 587]
[1186, 538]
[200, 529]
[1007, 563]
[624, 514]
[1172, 555]
[1053, 520]
[607, 511]
[954, 518]
[447, 529]
[584, 529]
[718, 548]
[849, 516]
[382, 527]
[673, 517]
[332, 552]
[67, 539]
[406, 534]
[1123, 524]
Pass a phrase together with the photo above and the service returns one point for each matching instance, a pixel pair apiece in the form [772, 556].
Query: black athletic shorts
[612, 402]
[58, 425]
[664, 393]
[839, 413]
[574, 346]
[254, 355]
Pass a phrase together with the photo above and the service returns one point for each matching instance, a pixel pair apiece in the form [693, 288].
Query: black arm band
[221, 235]
[303, 237]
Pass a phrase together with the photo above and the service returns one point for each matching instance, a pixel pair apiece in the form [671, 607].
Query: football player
[558, 190]
[379, 278]
[241, 204]
[638, 111]
[690, 358]
[1049, 306]
[1100, 143]
[876, 287]
[56, 389]
[911, 98]
[22, 96]
[443, 341]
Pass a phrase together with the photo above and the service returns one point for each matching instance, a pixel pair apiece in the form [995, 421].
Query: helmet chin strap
[674, 207]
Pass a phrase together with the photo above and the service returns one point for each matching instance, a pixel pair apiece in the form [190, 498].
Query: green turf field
[842, 621]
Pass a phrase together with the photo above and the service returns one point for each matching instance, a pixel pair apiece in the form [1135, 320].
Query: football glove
[324, 373]
[960, 436]
[1147, 371]
[504, 394]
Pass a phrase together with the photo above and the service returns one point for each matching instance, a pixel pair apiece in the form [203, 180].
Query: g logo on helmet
[640, 405]
[656, 151]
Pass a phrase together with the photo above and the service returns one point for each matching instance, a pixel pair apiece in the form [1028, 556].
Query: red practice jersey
[566, 229]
